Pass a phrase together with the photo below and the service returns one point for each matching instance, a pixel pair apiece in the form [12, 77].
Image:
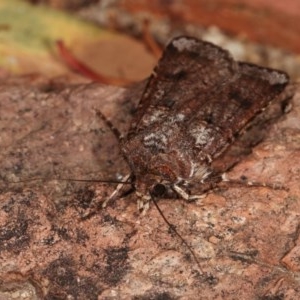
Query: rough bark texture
[247, 239]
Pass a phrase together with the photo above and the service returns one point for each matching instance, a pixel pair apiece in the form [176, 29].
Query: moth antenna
[117, 189]
[111, 126]
[172, 227]
[118, 135]
[70, 179]
[248, 183]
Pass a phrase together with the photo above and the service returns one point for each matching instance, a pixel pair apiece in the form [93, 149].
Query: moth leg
[143, 203]
[249, 183]
[184, 195]
[143, 206]
[116, 191]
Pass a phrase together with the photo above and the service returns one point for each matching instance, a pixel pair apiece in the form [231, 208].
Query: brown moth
[196, 104]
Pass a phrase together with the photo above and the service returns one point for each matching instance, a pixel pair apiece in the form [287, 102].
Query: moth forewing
[196, 104]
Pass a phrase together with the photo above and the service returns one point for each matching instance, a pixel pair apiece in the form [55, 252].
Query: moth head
[151, 186]
[157, 175]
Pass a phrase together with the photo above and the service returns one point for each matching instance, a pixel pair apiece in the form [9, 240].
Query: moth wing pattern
[188, 67]
[196, 103]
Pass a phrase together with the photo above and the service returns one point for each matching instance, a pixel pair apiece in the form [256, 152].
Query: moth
[197, 103]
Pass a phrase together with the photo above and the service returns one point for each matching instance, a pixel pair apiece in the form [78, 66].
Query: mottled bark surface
[246, 239]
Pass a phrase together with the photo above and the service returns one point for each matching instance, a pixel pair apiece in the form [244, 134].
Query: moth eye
[158, 190]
